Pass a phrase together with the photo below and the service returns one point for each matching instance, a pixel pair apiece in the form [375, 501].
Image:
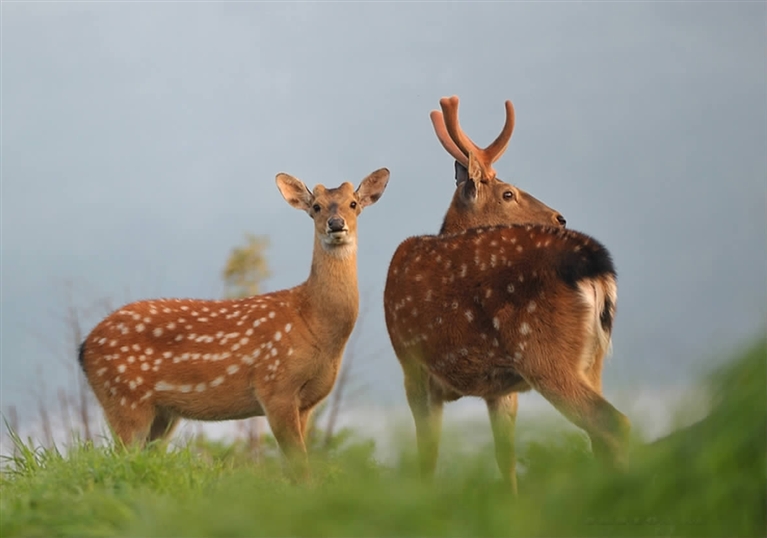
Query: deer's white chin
[333, 239]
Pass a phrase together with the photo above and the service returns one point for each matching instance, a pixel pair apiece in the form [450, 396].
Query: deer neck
[457, 219]
[331, 291]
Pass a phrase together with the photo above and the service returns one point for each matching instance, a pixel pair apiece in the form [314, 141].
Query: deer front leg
[285, 422]
[426, 406]
[503, 418]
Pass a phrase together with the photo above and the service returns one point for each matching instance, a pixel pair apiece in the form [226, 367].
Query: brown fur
[493, 311]
[277, 354]
[439, 371]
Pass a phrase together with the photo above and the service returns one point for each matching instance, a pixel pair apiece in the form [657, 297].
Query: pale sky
[140, 141]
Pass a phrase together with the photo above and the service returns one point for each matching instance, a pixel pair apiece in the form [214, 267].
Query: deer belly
[473, 371]
[206, 397]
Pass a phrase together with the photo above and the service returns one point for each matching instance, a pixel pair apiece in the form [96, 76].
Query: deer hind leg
[162, 426]
[426, 406]
[286, 424]
[572, 394]
[594, 372]
[503, 418]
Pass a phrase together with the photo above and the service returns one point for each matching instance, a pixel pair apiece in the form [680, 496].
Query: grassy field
[706, 480]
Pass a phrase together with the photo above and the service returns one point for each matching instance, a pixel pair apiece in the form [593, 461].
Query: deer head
[481, 199]
[334, 211]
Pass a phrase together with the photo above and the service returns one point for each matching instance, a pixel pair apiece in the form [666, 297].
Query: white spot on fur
[140, 328]
[288, 326]
[200, 387]
[232, 369]
[524, 329]
[277, 336]
[469, 315]
[271, 315]
[162, 385]
[497, 324]
[532, 306]
[216, 382]
[121, 368]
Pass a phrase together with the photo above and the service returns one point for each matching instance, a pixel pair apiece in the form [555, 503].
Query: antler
[439, 127]
[459, 145]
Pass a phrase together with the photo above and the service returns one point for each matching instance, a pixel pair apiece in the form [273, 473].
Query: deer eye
[353, 205]
[508, 195]
[316, 208]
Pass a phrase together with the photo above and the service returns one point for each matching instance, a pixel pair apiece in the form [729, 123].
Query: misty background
[141, 141]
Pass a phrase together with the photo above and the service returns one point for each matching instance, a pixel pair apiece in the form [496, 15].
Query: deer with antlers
[153, 362]
[503, 300]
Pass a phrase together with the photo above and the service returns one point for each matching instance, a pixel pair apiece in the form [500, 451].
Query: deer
[153, 362]
[481, 202]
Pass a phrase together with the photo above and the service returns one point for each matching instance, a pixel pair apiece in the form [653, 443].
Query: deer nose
[336, 224]
[561, 220]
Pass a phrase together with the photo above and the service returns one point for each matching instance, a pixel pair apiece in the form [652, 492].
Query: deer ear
[372, 187]
[294, 191]
[468, 191]
[461, 173]
[475, 168]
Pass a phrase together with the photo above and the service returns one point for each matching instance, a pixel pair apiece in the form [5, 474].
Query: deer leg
[130, 426]
[503, 418]
[285, 422]
[304, 417]
[426, 407]
[594, 372]
[162, 426]
[577, 400]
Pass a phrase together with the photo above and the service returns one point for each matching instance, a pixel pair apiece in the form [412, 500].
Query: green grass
[706, 480]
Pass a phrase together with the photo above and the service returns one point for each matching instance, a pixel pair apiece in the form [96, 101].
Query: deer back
[470, 305]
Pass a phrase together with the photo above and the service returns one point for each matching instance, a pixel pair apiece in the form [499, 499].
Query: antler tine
[450, 109]
[438, 121]
[494, 151]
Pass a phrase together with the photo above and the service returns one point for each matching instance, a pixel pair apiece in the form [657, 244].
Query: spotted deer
[153, 362]
[438, 311]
